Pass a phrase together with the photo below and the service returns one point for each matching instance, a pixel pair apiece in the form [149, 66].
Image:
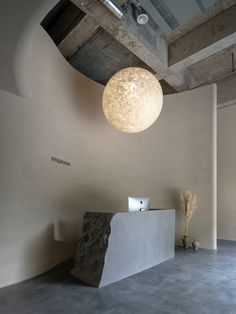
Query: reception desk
[114, 246]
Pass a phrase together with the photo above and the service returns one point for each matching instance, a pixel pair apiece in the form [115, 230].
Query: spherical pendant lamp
[132, 100]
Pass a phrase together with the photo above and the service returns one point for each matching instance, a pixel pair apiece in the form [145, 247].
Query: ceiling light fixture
[139, 13]
[142, 18]
[132, 100]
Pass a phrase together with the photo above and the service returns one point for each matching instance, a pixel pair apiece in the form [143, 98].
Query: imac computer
[138, 204]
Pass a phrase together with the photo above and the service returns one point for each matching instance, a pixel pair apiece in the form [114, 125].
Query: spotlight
[142, 17]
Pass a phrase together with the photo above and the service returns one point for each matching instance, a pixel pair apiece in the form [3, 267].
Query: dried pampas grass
[188, 205]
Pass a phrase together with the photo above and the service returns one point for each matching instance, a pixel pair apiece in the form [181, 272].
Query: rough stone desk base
[117, 245]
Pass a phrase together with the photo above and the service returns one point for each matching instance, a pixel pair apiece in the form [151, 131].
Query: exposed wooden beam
[78, 36]
[145, 42]
[216, 34]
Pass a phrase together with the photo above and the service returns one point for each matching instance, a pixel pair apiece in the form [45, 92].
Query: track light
[140, 14]
[142, 18]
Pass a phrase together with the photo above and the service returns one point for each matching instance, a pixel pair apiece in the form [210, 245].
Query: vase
[185, 241]
[195, 244]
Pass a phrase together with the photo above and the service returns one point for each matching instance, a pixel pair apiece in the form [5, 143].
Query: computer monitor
[138, 204]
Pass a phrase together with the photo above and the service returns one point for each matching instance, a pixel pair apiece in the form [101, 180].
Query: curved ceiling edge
[17, 36]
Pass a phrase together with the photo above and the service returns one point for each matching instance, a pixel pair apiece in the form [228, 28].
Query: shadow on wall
[44, 251]
[54, 242]
[89, 104]
[179, 220]
[86, 198]
[75, 93]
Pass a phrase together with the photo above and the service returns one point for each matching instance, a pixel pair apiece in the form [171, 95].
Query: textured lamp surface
[132, 100]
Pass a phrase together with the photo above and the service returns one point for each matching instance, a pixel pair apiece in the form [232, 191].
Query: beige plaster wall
[42, 202]
[226, 173]
[18, 20]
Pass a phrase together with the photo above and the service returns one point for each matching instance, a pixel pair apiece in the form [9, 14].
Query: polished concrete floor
[201, 282]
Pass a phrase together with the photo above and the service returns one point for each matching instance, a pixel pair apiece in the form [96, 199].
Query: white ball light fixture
[132, 100]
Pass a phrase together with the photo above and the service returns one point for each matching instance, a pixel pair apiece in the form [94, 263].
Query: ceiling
[186, 43]
[174, 13]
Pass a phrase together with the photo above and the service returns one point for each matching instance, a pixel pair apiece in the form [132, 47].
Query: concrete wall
[226, 91]
[42, 202]
[226, 103]
[226, 173]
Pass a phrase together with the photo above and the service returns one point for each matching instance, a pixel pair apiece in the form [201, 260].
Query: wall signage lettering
[60, 161]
